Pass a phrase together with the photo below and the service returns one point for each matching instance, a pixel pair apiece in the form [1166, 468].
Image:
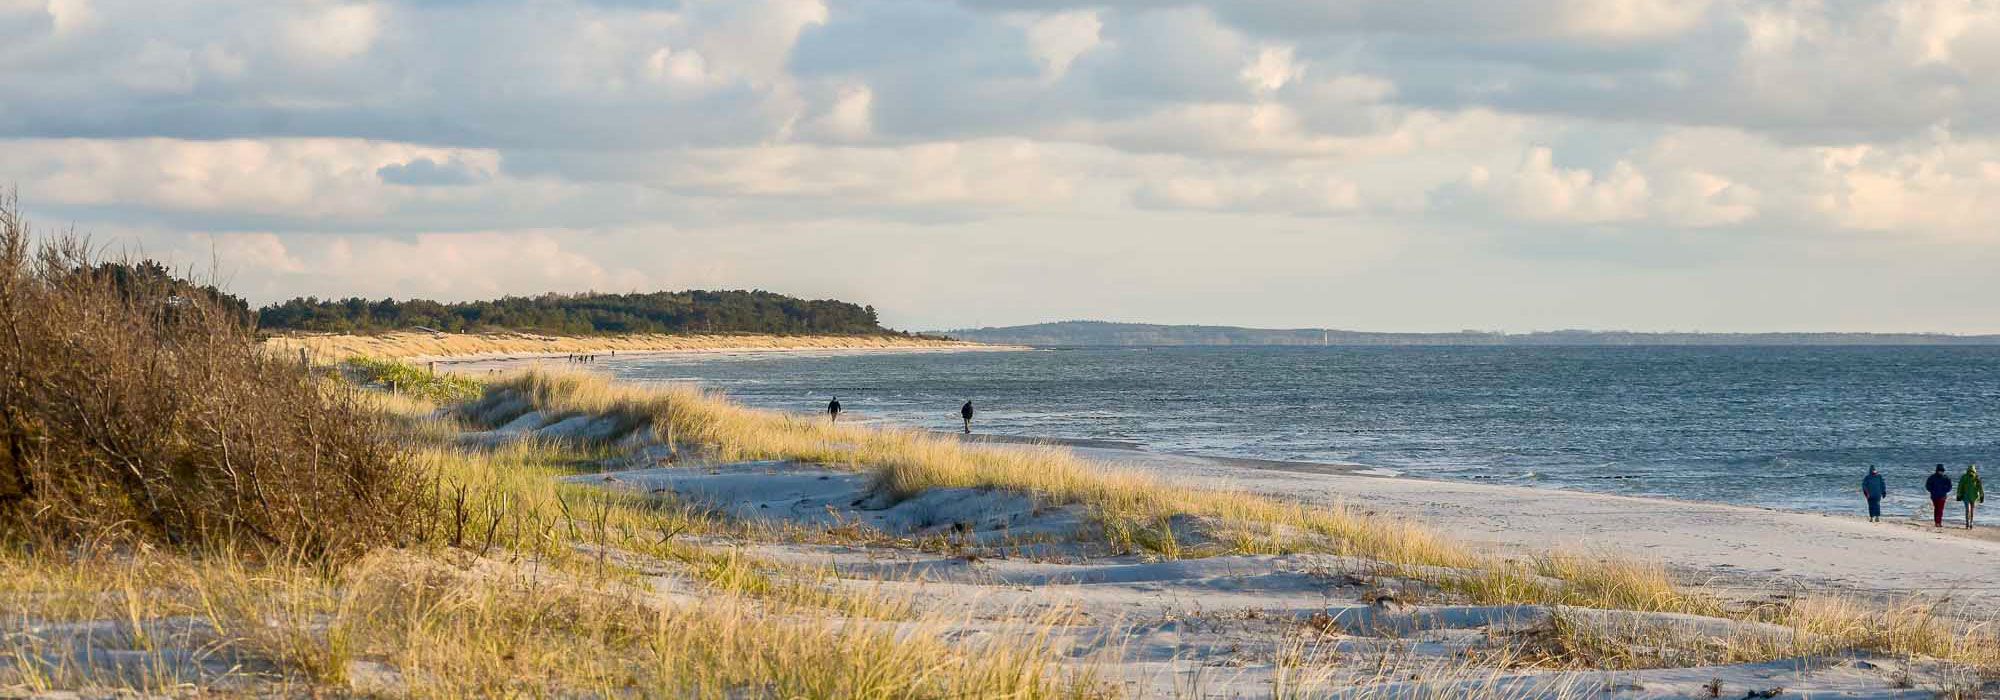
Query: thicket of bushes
[129, 410]
[582, 314]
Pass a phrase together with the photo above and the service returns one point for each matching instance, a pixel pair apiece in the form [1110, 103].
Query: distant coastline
[1143, 334]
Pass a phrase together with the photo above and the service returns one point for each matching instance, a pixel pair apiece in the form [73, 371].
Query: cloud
[335, 31]
[473, 265]
[319, 139]
[1627, 192]
[426, 172]
[1309, 194]
[1939, 185]
[1057, 39]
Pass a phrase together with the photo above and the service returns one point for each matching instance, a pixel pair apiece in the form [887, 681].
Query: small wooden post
[303, 364]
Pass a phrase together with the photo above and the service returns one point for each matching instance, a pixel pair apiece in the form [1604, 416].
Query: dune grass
[521, 585]
[1134, 509]
[402, 379]
[1141, 509]
[414, 623]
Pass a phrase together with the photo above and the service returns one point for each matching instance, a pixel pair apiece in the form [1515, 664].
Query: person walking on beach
[833, 410]
[966, 413]
[1970, 492]
[1940, 487]
[1873, 489]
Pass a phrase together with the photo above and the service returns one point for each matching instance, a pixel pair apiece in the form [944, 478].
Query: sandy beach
[514, 349]
[1738, 552]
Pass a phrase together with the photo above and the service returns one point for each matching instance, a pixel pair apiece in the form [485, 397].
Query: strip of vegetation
[404, 378]
[694, 311]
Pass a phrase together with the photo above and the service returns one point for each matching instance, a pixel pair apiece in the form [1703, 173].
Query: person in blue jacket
[1940, 487]
[1873, 489]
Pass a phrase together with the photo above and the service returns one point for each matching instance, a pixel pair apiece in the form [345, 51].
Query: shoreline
[1127, 453]
[1742, 552]
[1746, 551]
[461, 348]
[515, 360]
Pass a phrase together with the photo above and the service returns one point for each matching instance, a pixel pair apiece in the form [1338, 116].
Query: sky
[1397, 165]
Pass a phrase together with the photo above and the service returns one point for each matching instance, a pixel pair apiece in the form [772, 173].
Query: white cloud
[1938, 186]
[1057, 39]
[1308, 194]
[1618, 20]
[1273, 69]
[298, 177]
[1627, 192]
[684, 68]
[1011, 173]
[72, 16]
[1538, 190]
[850, 117]
[336, 31]
[447, 266]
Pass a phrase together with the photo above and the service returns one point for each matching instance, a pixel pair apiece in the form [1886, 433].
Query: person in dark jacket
[833, 410]
[1873, 489]
[1971, 492]
[966, 413]
[1940, 487]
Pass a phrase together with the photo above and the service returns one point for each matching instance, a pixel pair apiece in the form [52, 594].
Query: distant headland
[1108, 333]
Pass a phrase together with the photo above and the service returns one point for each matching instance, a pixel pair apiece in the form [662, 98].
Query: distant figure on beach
[1873, 489]
[966, 413]
[833, 410]
[1940, 487]
[1970, 492]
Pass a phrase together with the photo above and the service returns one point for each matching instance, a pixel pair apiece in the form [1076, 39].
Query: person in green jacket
[1970, 492]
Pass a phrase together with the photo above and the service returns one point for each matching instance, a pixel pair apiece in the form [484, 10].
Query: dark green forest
[583, 314]
[150, 279]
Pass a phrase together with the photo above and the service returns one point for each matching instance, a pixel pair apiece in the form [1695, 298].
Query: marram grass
[905, 462]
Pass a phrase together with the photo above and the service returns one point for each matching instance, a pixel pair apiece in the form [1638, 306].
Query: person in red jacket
[1940, 487]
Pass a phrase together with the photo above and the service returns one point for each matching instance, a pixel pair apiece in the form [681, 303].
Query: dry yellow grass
[1135, 509]
[1138, 507]
[421, 624]
[906, 462]
[333, 348]
[514, 595]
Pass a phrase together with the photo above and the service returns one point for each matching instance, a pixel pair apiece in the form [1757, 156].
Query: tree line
[695, 311]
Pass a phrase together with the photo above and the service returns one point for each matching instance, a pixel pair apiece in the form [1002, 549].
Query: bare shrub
[132, 409]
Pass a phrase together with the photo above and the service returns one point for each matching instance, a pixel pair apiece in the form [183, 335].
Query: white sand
[1741, 552]
[506, 361]
[1216, 627]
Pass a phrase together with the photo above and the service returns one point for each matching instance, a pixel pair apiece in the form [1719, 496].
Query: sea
[1782, 427]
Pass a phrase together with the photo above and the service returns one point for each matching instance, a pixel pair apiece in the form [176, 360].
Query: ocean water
[1786, 427]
